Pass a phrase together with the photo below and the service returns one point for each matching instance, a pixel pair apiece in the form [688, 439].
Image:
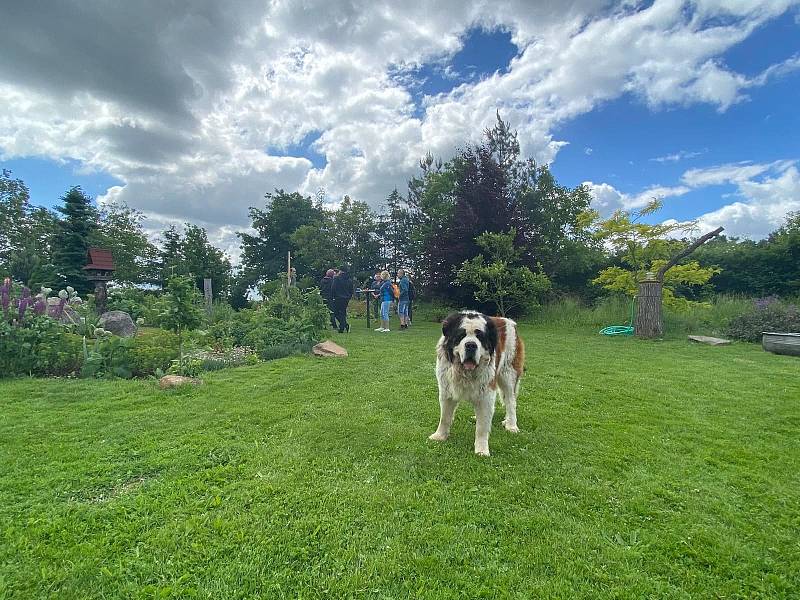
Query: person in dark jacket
[325, 287]
[341, 291]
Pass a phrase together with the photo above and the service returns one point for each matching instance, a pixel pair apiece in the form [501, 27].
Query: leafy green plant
[296, 320]
[181, 310]
[500, 280]
[41, 347]
[31, 343]
[153, 351]
[107, 356]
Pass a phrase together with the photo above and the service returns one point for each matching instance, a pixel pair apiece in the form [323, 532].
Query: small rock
[711, 341]
[328, 348]
[173, 381]
[118, 322]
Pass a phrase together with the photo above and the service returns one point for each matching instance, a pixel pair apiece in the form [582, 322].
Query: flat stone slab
[173, 381]
[711, 341]
[328, 348]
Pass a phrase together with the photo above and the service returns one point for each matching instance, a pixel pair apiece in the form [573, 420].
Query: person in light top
[386, 296]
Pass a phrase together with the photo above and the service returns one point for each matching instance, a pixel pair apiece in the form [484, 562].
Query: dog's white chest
[469, 387]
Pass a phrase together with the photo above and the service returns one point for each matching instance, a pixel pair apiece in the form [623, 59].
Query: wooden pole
[288, 272]
[208, 293]
[100, 296]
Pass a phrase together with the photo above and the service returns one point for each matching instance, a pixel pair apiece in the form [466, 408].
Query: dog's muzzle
[470, 362]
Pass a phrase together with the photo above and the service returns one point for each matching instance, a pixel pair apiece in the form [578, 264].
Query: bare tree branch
[686, 252]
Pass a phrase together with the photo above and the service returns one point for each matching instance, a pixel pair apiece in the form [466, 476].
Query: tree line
[488, 217]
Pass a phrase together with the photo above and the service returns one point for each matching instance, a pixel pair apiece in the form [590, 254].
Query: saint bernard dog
[478, 355]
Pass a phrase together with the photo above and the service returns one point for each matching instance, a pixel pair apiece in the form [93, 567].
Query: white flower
[70, 289]
[63, 294]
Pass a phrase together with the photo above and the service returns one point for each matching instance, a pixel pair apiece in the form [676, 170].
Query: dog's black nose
[471, 346]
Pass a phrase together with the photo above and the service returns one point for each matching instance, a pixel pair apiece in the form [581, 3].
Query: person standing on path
[342, 291]
[325, 289]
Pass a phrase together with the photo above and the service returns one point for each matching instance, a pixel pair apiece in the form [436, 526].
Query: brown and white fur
[476, 356]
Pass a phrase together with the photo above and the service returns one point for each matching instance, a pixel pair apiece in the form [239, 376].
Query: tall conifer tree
[71, 252]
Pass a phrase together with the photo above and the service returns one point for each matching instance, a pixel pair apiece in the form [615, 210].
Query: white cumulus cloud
[192, 105]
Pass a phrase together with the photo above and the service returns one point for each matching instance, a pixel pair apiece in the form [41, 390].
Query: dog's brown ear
[450, 324]
[491, 335]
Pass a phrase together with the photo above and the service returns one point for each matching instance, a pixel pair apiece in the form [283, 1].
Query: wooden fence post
[648, 313]
[207, 293]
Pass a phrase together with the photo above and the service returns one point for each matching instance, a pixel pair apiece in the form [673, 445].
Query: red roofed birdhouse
[101, 265]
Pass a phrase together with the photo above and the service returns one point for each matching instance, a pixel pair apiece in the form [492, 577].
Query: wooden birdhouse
[100, 270]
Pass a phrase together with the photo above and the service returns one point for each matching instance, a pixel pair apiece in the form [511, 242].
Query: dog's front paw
[437, 436]
[482, 451]
[511, 428]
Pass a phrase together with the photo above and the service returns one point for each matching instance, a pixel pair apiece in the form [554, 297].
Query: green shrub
[297, 321]
[222, 330]
[40, 347]
[153, 350]
[106, 356]
[766, 314]
[139, 304]
[434, 312]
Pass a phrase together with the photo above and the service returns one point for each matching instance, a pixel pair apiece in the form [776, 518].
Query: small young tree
[501, 280]
[182, 310]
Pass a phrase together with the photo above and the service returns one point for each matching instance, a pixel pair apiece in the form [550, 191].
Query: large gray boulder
[118, 322]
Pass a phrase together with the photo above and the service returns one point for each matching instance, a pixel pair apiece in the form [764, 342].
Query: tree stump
[648, 313]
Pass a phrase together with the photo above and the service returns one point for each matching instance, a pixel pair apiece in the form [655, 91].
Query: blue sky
[690, 101]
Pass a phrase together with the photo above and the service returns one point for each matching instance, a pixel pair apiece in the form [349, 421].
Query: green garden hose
[621, 329]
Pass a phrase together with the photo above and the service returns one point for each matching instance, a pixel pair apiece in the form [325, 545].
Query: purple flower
[23, 306]
[5, 294]
[763, 303]
[26, 292]
[40, 306]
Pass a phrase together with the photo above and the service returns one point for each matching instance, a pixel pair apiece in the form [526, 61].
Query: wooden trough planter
[781, 343]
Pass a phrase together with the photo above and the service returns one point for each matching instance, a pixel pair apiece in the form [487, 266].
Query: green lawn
[662, 470]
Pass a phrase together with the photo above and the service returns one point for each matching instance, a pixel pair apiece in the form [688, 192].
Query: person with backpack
[386, 295]
[341, 291]
[402, 298]
[325, 288]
